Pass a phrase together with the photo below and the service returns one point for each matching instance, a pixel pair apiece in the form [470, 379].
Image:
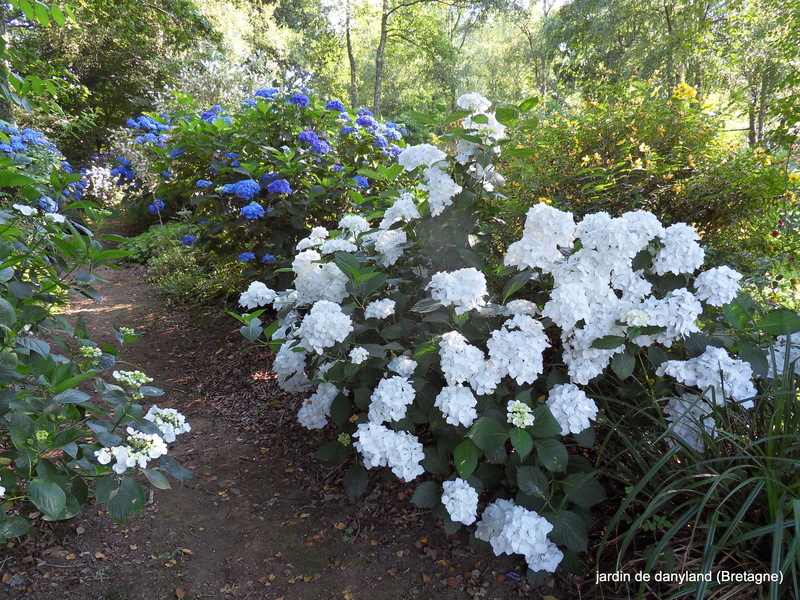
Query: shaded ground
[261, 519]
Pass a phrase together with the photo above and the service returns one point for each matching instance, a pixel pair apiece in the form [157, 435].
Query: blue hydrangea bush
[60, 444]
[258, 174]
[483, 378]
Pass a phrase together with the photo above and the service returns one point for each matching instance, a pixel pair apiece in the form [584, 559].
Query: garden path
[261, 519]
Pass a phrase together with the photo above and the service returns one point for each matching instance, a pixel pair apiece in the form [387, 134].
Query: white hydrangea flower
[681, 253]
[290, 368]
[688, 417]
[461, 501]
[139, 449]
[571, 407]
[678, 312]
[512, 529]
[25, 210]
[339, 244]
[323, 326]
[391, 399]
[379, 309]
[382, 447]
[317, 237]
[402, 365]
[457, 403]
[169, 421]
[778, 359]
[463, 363]
[474, 102]
[517, 348]
[316, 409]
[521, 307]
[440, 187]
[317, 281]
[133, 379]
[636, 318]
[423, 154]
[358, 355]
[519, 414]
[55, 217]
[258, 294]
[387, 244]
[355, 224]
[718, 286]
[465, 289]
[716, 374]
[404, 209]
[547, 231]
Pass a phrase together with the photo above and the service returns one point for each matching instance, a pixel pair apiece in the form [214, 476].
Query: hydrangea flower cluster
[716, 374]
[138, 450]
[461, 501]
[457, 403]
[519, 414]
[464, 289]
[390, 399]
[169, 421]
[323, 326]
[690, 419]
[316, 408]
[379, 309]
[512, 529]
[382, 447]
[571, 407]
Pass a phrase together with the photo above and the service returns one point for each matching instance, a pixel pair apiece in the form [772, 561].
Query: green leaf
[27, 9]
[488, 434]
[355, 481]
[507, 115]
[780, 322]
[533, 482]
[642, 260]
[529, 104]
[608, 342]
[58, 15]
[623, 365]
[8, 315]
[348, 264]
[332, 454]
[173, 468]
[751, 353]
[12, 527]
[426, 306]
[47, 496]
[736, 314]
[552, 453]
[157, 479]
[521, 440]
[6, 274]
[341, 409]
[465, 457]
[127, 500]
[569, 530]
[22, 290]
[42, 14]
[544, 423]
[434, 462]
[515, 283]
[583, 489]
[481, 119]
[427, 495]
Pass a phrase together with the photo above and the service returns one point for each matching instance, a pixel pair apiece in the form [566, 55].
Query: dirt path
[261, 519]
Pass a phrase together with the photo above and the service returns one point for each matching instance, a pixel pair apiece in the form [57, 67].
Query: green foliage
[156, 240]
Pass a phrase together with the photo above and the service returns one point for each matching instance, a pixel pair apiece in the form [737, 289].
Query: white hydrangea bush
[435, 361]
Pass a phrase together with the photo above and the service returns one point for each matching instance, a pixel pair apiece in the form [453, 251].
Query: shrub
[257, 175]
[57, 442]
[430, 358]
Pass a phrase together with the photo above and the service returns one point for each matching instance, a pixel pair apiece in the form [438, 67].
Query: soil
[261, 519]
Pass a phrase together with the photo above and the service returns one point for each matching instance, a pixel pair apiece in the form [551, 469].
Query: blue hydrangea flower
[334, 105]
[131, 123]
[393, 134]
[347, 130]
[279, 186]
[266, 93]
[245, 189]
[345, 117]
[338, 168]
[362, 181]
[177, 152]
[188, 240]
[203, 183]
[156, 207]
[253, 211]
[268, 258]
[205, 223]
[167, 175]
[267, 177]
[6, 148]
[300, 100]
[248, 102]
[394, 151]
[308, 136]
[320, 147]
[366, 121]
[246, 257]
[232, 155]
[235, 163]
[381, 142]
[208, 116]
[124, 162]
[48, 204]
[364, 112]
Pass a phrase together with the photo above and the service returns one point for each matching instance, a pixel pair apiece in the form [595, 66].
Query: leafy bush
[488, 376]
[156, 240]
[628, 147]
[57, 441]
[257, 175]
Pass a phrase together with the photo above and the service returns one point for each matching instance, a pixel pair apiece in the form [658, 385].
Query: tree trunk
[6, 112]
[376, 99]
[762, 109]
[351, 57]
[752, 137]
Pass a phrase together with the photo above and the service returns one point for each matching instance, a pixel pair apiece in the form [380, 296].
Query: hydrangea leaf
[157, 479]
[522, 441]
[608, 342]
[12, 527]
[623, 365]
[553, 454]
[427, 494]
[583, 489]
[332, 454]
[533, 482]
[465, 456]
[47, 496]
[544, 423]
[750, 353]
[355, 481]
[780, 322]
[488, 434]
[128, 500]
[569, 530]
